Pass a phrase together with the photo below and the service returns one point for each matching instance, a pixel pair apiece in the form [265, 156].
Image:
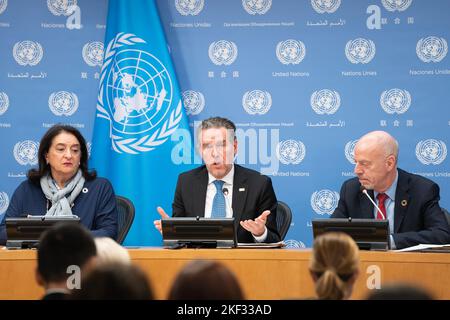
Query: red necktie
[381, 197]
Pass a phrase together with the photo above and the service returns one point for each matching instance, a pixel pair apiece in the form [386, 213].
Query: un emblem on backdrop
[26, 152]
[3, 5]
[290, 51]
[349, 151]
[396, 5]
[294, 244]
[193, 101]
[431, 49]
[4, 102]
[28, 52]
[136, 96]
[395, 101]
[257, 102]
[325, 101]
[61, 7]
[223, 52]
[360, 50]
[63, 103]
[93, 53]
[328, 6]
[431, 151]
[189, 7]
[257, 6]
[4, 202]
[324, 201]
[290, 151]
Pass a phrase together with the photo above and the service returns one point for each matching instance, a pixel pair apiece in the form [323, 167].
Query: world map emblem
[136, 96]
[431, 49]
[189, 7]
[324, 201]
[360, 50]
[26, 152]
[431, 151]
[325, 101]
[4, 102]
[61, 7]
[93, 53]
[290, 151]
[223, 52]
[349, 151]
[257, 6]
[325, 6]
[4, 202]
[193, 101]
[257, 102]
[3, 5]
[63, 103]
[396, 5]
[395, 101]
[290, 51]
[294, 244]
[28, 53]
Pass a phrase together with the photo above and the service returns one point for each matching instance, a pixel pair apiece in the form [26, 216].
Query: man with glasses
[222, 189]
[410, 202]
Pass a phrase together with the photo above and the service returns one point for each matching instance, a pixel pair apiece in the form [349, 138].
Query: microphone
[227, 203]
[364, 190]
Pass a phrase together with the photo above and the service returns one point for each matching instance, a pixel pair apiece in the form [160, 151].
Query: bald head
[380, 140]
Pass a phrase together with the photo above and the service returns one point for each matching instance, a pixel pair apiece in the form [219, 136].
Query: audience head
[114, 281]
[109, 251]
[334, 266]
[64, 245]
[205, 280]
[399, 291]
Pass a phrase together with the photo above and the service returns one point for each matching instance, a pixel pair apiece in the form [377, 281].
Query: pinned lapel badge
[404, 203]
[241, 189]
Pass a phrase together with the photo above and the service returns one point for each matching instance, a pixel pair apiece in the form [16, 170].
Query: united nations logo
[3, 5]
[4, 202]
[395, 101]
[257, 102]
[325, 101]
[189, 7]
[324, 201]
[290, 51]
[223, 52]
[61, 7]
[193, 101]
[26, 152]
[63, 103]
[291, 151]
[294, 244]
[93, 53]
[89, 148]
[4, 102]
[431, 151]
[256, 6]
[431, 49]
[328, 6]
[136, 96]
[396, 5]
[349, 151]
[360, 50]
[28, 53]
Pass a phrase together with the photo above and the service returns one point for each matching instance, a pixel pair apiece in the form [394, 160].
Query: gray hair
[218, 122]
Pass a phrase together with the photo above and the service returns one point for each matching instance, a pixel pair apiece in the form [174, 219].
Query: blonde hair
[109, 251]
[335, 261]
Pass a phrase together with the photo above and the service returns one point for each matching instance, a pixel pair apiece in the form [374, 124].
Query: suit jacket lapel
[401, 199]
[366, 205]
[200, 196]
[240, 190]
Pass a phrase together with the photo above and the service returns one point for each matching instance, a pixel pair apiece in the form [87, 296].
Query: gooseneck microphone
[364, 190]
[227, 203]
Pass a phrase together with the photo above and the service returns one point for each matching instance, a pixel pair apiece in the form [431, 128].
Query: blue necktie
[218, 207]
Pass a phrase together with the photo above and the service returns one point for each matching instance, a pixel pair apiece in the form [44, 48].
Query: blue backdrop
[303, 80]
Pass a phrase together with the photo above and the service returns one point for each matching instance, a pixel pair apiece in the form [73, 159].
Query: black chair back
[284, 218]
[125, 210]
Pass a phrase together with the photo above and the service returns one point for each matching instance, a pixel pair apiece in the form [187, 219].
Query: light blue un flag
[140, 118]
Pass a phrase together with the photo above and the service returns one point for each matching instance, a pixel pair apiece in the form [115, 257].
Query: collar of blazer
[402, 198]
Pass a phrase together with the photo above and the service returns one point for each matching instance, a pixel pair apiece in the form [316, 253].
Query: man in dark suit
[410, 202]
[221, 188]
